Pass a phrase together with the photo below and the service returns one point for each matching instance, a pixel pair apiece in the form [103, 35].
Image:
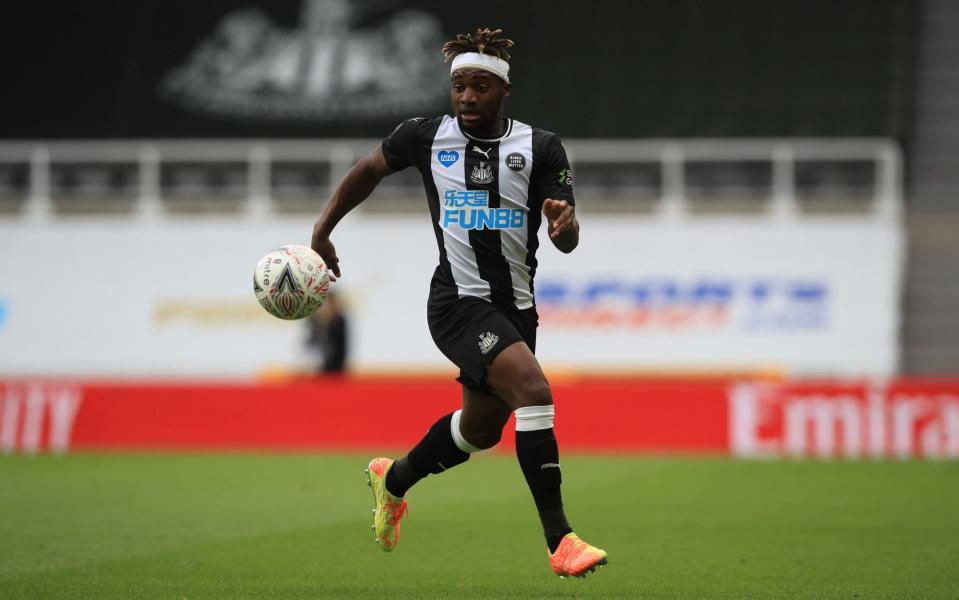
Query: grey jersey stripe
[514, 193]
[475, 275]
[483, 176]
[451, 176]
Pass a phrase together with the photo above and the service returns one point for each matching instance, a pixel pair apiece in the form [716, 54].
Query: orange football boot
[575, 557]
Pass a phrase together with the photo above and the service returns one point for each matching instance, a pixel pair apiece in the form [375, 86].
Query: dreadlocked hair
[483, 41]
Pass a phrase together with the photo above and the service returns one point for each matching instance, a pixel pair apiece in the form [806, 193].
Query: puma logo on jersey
[481, 151]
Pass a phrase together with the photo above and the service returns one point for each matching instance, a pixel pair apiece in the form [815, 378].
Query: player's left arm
[556, 189]
[563, 225]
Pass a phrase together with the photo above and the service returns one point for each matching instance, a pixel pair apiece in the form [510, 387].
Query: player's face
[478, 98]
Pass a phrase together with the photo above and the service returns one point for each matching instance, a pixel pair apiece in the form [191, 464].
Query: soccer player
[489, 180]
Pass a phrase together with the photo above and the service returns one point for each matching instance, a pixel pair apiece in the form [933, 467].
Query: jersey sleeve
[554, 177]
[399, 148]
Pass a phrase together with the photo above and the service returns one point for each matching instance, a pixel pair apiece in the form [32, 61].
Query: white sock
[534, 418]
[458, 438]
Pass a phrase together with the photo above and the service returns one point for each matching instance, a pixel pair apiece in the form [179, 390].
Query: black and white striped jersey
[486, 199]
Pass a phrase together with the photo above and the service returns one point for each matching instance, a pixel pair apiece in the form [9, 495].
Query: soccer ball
[291, 282]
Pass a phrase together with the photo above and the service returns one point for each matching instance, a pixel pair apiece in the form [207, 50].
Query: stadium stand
[931, 295]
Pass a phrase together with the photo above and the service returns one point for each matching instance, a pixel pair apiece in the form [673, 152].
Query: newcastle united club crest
[482, 174]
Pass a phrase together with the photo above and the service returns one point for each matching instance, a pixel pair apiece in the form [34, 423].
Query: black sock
[435, 453]
[539, 458]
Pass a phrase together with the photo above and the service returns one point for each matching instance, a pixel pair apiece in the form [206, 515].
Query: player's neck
[496, 129]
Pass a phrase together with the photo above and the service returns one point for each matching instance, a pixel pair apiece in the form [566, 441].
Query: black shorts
[472, 332]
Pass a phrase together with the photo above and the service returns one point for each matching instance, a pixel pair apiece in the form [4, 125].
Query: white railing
[668, 159]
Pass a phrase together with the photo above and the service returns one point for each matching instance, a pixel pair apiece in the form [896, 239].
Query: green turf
[281, 526]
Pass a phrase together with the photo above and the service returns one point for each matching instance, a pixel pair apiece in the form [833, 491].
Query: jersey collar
[509, 129]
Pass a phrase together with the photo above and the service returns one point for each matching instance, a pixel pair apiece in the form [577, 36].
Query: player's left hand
[561, 216]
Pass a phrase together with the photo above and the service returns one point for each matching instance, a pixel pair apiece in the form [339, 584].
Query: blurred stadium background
[769, 194]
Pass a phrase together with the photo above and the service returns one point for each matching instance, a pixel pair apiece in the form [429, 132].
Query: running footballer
[489, 182]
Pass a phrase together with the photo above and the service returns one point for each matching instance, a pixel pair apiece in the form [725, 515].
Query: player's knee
[481, 433]
[486, 438]
[533, 391]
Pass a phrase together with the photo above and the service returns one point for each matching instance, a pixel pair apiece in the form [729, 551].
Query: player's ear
[507, 88]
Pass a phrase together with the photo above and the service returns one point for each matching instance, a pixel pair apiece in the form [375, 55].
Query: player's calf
[438, 451]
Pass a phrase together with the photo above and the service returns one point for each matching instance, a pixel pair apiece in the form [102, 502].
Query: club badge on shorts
[487, 341]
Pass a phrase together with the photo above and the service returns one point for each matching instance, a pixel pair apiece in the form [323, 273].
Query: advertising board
[867, 420]
[174, 298]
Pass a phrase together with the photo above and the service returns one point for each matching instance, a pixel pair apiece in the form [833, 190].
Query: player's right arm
[358, 183]
[397, 152]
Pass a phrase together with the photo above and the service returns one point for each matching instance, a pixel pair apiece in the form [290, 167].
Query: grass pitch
[283, 526]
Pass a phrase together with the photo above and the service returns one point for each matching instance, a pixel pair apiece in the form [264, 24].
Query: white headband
[496, 66]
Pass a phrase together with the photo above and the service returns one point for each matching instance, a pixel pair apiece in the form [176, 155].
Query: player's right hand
[327, 251]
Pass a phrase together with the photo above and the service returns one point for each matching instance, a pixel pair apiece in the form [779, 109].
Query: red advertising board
[903, 418]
